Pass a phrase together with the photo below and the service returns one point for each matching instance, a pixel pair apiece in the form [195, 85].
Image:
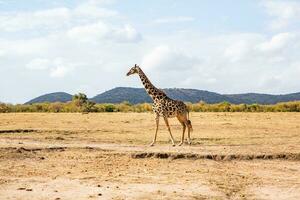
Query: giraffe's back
[169, 107]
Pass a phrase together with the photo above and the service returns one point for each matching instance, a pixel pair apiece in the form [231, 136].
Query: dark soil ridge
[168, 155]
[23, 149]
[19, 131]
[46, 131]
[218, 157]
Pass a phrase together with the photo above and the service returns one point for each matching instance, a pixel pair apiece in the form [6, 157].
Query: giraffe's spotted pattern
[167, 107]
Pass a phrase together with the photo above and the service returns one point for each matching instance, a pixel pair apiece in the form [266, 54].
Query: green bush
[110, 108]
[4, 108]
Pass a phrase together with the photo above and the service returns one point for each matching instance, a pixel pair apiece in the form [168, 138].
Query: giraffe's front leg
[155, 135]
[181, 119]
[189, 136]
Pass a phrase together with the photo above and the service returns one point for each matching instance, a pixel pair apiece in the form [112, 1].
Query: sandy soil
[98, 156]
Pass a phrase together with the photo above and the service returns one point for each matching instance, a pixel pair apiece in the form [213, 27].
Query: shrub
[110, 108]
[4, 108]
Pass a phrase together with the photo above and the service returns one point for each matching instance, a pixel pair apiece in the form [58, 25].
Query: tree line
[81, 104]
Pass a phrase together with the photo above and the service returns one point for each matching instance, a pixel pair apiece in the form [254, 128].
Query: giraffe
[165, 107]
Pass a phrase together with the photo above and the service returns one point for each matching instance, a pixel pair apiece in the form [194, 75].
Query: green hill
[139, 95]
[250, 98]
[52, 97]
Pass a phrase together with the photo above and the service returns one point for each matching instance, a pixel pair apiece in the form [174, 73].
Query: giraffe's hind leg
[167, 124]
[189, 125]
[190, 128]
[185, 123]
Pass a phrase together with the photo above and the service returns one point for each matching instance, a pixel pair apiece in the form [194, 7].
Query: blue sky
[87, 46]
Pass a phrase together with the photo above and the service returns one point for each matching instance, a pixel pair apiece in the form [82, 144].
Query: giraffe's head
[133, 70]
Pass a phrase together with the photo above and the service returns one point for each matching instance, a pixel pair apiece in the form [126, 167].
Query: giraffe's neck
[153, 92]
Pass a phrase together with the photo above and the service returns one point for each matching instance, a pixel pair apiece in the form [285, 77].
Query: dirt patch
[70, 189]
[44, 189]
[270, 192]
[83, 173]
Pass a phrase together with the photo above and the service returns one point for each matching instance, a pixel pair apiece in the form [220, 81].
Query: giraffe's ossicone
[165, 107]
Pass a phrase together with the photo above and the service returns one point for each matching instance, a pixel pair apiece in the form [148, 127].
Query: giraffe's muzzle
[128, 74]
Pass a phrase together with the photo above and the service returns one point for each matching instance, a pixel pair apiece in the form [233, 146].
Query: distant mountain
[52, 97]
[121, 94]
[194, 96]
[250, 98]
[139, 95]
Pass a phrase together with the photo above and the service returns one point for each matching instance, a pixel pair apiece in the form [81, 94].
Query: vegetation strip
[217, 157]
[80, 104]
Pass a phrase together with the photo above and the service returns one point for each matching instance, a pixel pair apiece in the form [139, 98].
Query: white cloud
[89, 33]
[56, 68]
[285, 12]
[55, 18]
[2, 52]
[277, 42]
[91, 9]
[97, 31]
[39, 64]
[165, 58]
[49, 18]
[60, 68]
[64, 27]
[252, 46]
[176, 19]
[24, 47]
[59, 71]
[237, 50]
[126, 34]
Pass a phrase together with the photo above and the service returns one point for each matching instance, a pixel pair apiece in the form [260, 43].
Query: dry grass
[239, 132]
[75, 156]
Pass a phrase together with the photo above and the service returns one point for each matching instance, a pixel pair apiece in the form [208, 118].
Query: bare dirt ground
[106, 156]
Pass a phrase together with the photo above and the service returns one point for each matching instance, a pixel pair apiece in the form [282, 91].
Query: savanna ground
[106, 156]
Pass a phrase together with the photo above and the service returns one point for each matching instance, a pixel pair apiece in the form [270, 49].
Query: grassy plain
[106, 156]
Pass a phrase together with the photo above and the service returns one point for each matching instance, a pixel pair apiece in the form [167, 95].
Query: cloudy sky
[88, 45]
